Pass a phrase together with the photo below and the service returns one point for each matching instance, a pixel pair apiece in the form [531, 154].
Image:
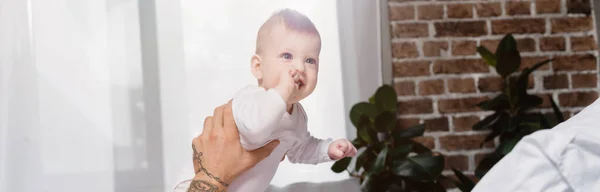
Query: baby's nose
[299, 66]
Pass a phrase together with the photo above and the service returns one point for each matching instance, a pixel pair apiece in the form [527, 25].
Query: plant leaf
[385, 122]
[367, 183]
[386, 98]
[486, 164]
[499, 102]
[360, 160]
[523, 79]
[408, 133]
[508, 57]
[400, 151]
[363, 134]
[529, 102]
[341, 165]
[423, 167]
[486, 122]
[465, 184]
[487, 56]
[369, 158]
[490, 136]
[379, 164]
[506, 146]
[357, 143]
[419, 148]
[559, 116]
[361, 109]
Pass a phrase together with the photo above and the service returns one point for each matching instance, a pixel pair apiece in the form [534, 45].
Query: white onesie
[261, 117]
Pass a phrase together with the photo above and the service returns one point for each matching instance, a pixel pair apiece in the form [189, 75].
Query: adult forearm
[204, 183]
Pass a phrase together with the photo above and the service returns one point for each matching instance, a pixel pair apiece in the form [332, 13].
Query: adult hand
[218, 155]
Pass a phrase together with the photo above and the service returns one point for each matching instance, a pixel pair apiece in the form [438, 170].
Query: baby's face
[287, 49]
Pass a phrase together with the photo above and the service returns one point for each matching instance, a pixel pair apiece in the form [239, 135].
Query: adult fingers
[228, 121]
[263, 152]
[218, 117]
[208, 124]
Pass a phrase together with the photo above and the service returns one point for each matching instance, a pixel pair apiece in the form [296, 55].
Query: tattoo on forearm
[202, 186]
[201, 168]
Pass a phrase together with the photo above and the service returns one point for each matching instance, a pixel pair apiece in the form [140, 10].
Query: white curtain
[72, 99]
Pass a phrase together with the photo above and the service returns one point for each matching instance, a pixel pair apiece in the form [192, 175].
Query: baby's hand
[287, 83]
[341, 148]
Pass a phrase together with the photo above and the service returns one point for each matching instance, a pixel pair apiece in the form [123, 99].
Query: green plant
[512, 116]
[389, 159]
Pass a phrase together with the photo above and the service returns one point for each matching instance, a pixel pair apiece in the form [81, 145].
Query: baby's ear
[256, 67]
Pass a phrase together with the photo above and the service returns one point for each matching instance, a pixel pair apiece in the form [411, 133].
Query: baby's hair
[292, 20]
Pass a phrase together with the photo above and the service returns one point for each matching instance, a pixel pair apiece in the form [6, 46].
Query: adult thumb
[263, 152]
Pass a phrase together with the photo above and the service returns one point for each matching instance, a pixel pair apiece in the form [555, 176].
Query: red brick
[459, 162]
[464, 47]
[552, 44]
[430, 12]
[556, 82]
[458, 85]
[434, 48]
[547, 6]
[411, 68]
[574, 63]
[428, 141]
[406, 30]
[586, 43]
[431, 87]
[518, 26]
[490, 84]
[460, 10]
[415, 106]
[405, 88]
[545, 101]
[463, 142]
[490, 44]
[460, 105]
[518, 8]
[571, 24]
[460, 29]
[437, 124]
[460, 66]
[584, 80]
[579, 6]
[403, 123]
[404, 50]
[528, 62]
[577, 99]
[526, 45]
[399, 13]
[488, 9]
[464, 123]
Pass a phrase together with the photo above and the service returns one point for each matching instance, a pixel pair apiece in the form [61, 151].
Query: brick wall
[440, 78]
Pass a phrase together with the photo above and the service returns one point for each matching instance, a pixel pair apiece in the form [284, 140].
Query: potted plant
[512, 117]
[389, 160]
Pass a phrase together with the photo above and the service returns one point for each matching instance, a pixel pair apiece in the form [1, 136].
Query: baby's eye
[311, 61]
[286, 55]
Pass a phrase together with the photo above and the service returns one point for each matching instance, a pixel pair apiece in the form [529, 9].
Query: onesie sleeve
[256, 112]
[310, 150]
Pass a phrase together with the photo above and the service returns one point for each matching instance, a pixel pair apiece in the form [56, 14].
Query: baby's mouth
[300, 83]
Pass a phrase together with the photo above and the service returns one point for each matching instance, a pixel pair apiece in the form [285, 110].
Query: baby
[286, 64]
